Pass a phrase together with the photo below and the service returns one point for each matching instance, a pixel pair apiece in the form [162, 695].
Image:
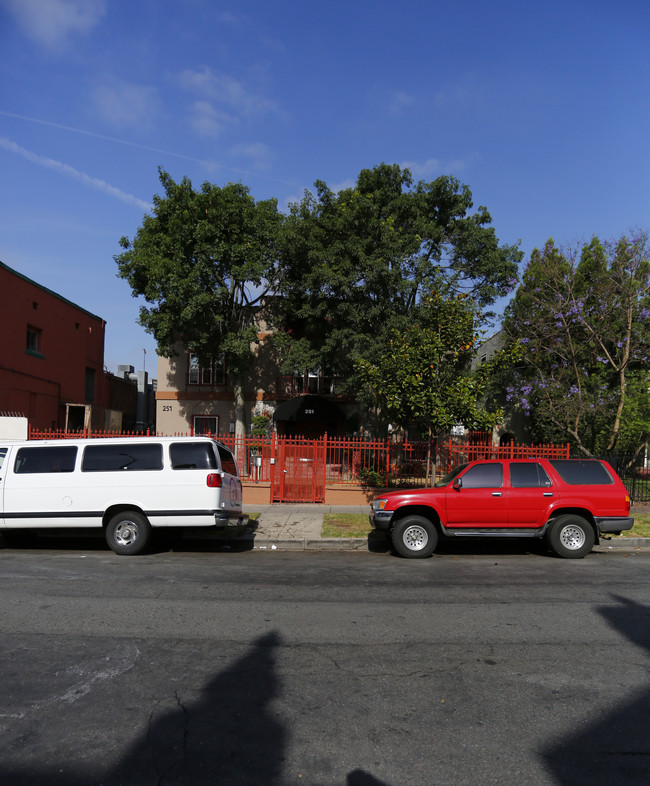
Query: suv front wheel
[414, 537]
[571, 537]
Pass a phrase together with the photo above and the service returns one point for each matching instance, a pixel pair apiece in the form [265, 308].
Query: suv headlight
[378, 504]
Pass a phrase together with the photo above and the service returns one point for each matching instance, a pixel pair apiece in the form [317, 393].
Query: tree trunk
[240, 414]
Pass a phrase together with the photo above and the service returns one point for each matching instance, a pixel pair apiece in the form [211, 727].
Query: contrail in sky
[203, 162]
[66, 169]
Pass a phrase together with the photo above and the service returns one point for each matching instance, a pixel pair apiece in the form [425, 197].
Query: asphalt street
[199, 665]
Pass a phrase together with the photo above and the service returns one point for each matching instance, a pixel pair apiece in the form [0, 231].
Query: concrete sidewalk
[298, 527]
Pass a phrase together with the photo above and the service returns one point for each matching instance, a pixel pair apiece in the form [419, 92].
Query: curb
[310, 544]
[360, 544]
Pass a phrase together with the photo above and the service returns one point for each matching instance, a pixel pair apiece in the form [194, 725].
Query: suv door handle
[496, 493]
[548, 493]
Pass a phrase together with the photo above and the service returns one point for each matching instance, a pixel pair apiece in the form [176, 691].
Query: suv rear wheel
[414, 537]
[571, 537]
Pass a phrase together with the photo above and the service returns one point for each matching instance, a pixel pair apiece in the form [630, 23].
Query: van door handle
[548, 493]
[496, 493]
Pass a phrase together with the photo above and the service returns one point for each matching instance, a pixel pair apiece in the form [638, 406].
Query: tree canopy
[423, 375]
[203, 262]
[358, 264]
[582, 319]
[347, 271]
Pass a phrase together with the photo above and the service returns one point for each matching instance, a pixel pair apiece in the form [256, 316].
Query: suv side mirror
[457, 484]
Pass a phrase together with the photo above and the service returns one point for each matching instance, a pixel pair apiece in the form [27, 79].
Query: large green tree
[582, 318]
[357, 264]
[423, 374]
[203, 261]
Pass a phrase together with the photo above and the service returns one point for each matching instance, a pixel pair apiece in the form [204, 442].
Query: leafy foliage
[356, 265]
[422, 375]
[203, 261]
[582, 318]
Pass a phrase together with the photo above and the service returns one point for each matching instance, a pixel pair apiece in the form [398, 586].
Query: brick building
[52, 361]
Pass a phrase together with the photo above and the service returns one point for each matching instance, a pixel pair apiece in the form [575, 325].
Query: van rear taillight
[213, 480]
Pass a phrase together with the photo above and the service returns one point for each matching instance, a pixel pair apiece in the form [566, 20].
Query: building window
[90, 385]
[33, 341]
[214, 373]
[205, 424]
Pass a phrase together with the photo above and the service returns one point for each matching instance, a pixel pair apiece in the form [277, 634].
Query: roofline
[51, 292]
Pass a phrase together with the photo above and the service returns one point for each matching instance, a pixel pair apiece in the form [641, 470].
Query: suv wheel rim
[415, 538]
[572, 537]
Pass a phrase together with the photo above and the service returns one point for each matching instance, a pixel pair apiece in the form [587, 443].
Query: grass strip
[345, 525]
[641, 528]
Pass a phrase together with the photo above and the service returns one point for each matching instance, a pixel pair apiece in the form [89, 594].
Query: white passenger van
[124, 485]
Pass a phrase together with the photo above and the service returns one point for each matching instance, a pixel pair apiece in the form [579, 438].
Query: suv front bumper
[380, 519]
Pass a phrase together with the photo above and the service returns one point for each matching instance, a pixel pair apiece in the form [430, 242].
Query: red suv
[569, 502]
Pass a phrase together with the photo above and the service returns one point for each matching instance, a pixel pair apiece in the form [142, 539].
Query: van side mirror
[457, 484]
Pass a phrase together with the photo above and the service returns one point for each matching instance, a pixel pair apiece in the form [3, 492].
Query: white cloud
[227, 90]
[51, 22]
[399, 101]
[257, 152]
[125, 105]
[428, 168]
[434, 167]
[208, 121]
[69, 171]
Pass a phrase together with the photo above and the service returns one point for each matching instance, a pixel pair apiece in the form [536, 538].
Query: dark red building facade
[52, 357]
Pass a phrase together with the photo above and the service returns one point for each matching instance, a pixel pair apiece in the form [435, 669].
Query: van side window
[192, 455]
[31, 461]
[120, 457]
[228, 463]
[3, 453]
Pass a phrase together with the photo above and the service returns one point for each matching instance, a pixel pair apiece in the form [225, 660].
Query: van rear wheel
[128, 533]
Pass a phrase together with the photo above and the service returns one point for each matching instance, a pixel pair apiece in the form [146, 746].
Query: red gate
[299, 472]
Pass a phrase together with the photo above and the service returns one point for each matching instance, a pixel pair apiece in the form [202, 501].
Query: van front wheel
[128, 533]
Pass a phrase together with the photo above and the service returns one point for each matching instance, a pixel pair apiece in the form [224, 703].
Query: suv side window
[582, 472]
[483, 476]
[32, 461]
[192, 455]
[524, 476]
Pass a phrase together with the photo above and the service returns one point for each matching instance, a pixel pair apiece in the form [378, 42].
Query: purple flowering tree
[581, 316]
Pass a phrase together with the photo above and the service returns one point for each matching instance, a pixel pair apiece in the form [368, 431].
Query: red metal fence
[299, 469]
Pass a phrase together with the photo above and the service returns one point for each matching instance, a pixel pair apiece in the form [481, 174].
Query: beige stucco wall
[177, 402]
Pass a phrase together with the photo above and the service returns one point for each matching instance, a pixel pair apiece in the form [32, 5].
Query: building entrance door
[299, 472]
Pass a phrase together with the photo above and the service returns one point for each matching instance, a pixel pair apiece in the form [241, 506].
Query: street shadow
[228, 736]
[614, 748]
[362, 778]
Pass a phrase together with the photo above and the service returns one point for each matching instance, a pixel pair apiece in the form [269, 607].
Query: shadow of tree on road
[615, 748]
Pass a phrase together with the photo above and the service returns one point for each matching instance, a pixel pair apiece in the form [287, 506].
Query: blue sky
[541, 107]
